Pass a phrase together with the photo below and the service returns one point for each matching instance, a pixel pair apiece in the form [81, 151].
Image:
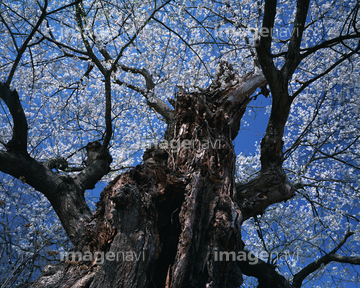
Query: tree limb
[132, 39]
[10, 32]
[79, 18]
[108, 120]
[152, 100]
[312, 267]
[334, 65]
[25, 44]
[18, 142]
[65, 194]
[263, 47]
[66, 197]
[272, 144]
[266, 189]
[98, 165]
[292, 58]
[328, 43]
[64, 7]
[264, 272]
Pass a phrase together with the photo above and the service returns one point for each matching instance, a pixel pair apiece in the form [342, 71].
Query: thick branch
[355, 260]
[264, 272]
[18, 142]
[108, 120]
[263, 48]
[98, 165]
[88, 177]
[293, 58]
[29, 170]
[64, 195]
[272, 144]
[261, 192]
[245, 87]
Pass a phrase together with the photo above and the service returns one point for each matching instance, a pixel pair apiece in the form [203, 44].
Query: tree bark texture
[182, 204]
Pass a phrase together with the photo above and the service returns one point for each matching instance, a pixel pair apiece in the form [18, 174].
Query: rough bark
[178, 207]
[182, 203]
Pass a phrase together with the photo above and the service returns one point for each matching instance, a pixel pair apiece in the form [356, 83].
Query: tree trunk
[165, 222]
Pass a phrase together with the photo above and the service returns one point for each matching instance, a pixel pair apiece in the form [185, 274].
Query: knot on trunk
[93, 152]
[125, 195]
[57, 163]
[155, 156]
[226, 76]
[261, 192]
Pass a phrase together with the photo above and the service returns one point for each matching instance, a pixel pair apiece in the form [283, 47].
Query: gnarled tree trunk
[169, 218]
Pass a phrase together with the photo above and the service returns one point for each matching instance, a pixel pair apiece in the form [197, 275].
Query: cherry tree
[88, 86]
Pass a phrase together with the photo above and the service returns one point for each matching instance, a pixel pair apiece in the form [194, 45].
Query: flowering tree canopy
[89, 86]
